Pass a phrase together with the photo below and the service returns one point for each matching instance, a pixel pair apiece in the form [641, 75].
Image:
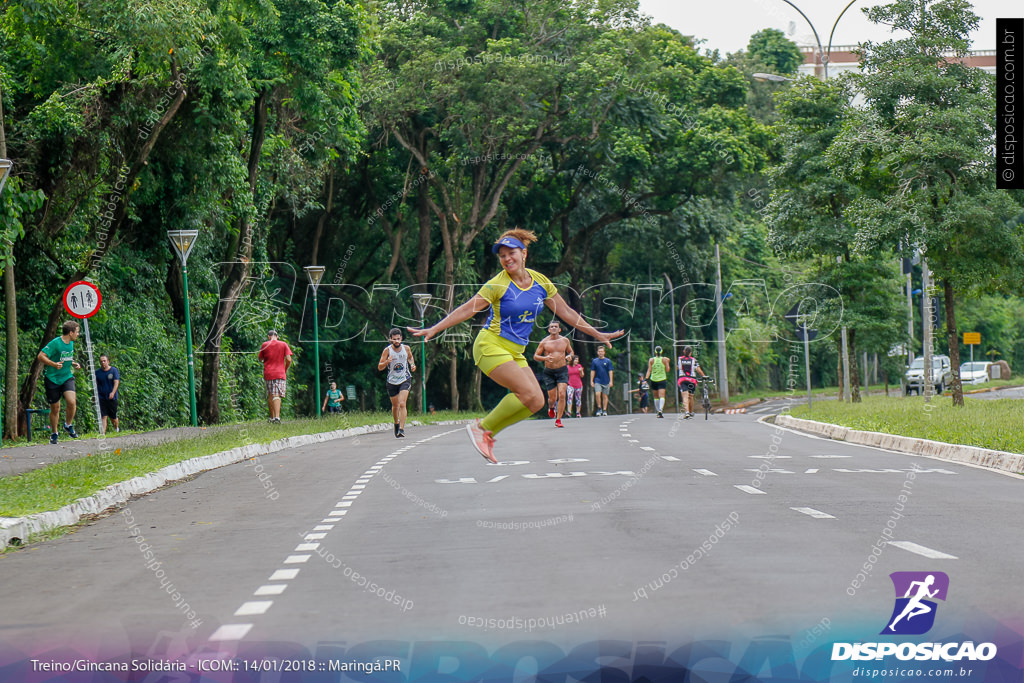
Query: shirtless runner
[554, 350]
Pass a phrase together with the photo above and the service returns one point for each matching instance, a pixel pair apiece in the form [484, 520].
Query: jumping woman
[515, 297]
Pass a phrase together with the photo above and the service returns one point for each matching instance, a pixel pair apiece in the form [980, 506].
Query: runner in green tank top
[657, 372]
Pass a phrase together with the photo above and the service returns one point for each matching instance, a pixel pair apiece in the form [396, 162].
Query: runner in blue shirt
[602, 378]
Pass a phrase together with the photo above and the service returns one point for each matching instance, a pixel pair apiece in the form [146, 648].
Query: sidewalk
[19, 459]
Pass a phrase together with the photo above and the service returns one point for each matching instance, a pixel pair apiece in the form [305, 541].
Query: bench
[28, 418]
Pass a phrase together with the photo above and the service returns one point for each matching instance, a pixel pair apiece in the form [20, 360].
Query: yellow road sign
[972, 337]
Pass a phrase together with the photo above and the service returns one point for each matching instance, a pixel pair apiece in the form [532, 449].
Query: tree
[774, 50]
[922, 153]
[809, 217]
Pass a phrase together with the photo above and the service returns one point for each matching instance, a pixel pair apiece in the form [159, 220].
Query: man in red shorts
[277, 358]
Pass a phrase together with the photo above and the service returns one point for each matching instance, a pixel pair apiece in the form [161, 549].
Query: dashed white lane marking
[283, 575]
[257, 607]
[923, 551]
[747, 489]
[771, 457]
[706, 473]
[634, 441]
[625, 436]
[826, 457]
[813, 470]
[231, 632]
[254, 607]
[646, 448]
[670, 458]
[817, 514]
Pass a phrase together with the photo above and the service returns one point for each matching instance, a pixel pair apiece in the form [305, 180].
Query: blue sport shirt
[602, 368]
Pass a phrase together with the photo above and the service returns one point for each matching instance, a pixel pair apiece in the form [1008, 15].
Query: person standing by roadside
[657, 371]
[553, 351]
[108, 382]
[602, 379]
[642, 391]
[277, 358]
[574, 393]
[58, 378]
[333, 399]
[397, 358]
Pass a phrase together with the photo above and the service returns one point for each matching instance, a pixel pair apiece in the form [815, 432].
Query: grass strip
[56, 485]
[994, 424]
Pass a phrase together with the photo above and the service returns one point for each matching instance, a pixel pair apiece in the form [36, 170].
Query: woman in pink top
[575, 388]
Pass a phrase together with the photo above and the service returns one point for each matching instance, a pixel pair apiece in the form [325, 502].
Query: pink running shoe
[558, 423]
[482, 440]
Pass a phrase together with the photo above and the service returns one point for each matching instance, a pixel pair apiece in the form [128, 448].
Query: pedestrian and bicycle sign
[82, 299]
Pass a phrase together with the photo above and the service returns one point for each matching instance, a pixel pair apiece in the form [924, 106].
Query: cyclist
[688, 367]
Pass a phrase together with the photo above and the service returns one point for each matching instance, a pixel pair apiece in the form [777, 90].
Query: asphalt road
[639, 528]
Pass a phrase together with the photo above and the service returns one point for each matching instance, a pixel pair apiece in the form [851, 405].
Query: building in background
[843, 60]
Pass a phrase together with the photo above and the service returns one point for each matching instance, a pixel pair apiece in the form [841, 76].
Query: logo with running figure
[524, 317]
[916, 592]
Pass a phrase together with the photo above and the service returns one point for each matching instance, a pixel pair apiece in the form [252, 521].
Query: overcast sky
[727, 25]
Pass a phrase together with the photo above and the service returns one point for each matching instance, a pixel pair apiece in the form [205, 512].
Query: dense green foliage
[391, 144]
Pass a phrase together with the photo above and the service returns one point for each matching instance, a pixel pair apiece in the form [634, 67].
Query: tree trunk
[323, 219]
[954, 344]
[851, 336]
[237, 275]
[11, 311]
[476, 394]
[453, 377]
[11, 380]
[423, 248]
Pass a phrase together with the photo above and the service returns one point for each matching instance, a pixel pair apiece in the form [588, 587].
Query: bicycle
[705, 398]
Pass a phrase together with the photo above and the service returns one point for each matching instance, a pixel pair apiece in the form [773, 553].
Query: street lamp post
[422, 299]
[672, 303]
[315, 274]
[723, 368]
[825, 55]
[822, 53]
[183, 241]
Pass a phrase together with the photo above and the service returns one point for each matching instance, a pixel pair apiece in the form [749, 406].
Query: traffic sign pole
[188, 345]
[82, 300]
[92, 376]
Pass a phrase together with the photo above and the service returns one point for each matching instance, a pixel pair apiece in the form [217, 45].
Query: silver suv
[941, 375]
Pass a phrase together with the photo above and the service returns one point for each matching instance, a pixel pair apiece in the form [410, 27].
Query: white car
[940, 376]
[974, 373]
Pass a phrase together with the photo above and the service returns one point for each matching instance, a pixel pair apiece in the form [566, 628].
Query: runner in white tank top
[398, 360]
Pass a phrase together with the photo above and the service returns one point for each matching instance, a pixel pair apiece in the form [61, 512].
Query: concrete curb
[971, 455]
[115, 494]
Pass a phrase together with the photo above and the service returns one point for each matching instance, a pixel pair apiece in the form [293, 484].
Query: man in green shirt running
[333, 399]
[657, 372]
[58, 377]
